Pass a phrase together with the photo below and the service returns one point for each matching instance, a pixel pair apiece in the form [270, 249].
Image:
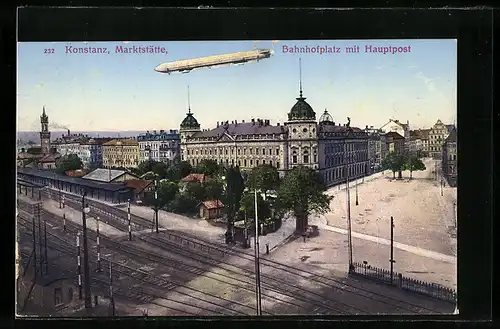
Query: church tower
[302, 133]
[189, 126]
[44, 133]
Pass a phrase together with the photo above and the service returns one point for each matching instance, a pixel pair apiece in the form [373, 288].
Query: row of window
[337, 173]
[305, 158]
[241, 163]
[340, 147]
[265, 136]
[156, 146]
[226, 151]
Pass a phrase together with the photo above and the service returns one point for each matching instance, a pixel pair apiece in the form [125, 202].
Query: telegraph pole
[98, 246]
[357, 192]
[45, 251]
[79, 265]
[392, 250]
[257, 265]
[156, 204]
[111, 287]
[42, 261]
[349, 238]
[129, 227]
[88, 301]
[34, 245]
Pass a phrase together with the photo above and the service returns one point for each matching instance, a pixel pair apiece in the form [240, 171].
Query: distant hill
[25, 136]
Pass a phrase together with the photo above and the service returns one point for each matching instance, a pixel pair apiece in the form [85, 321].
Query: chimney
[277, 123]
[22, 150]
[232, 122]
[366, 127]
[235, 122]
[68, 132]
[162, 131]
[217, 124]
[242, 121]
[408, 122]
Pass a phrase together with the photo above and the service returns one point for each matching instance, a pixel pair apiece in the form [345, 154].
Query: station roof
[104, 175]
[74, 180]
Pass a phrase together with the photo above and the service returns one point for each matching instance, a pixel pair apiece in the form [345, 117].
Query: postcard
[236, 178]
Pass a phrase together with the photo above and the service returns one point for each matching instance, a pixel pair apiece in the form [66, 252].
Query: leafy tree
[247, 207]
[145, 166]
[208, 167]
[178, 171]
[234, 190]
[214, 189]
[264, 177]
[413, 163]
[195, 190]
[160, 169]
[68, 162]
[394, 162]
[167, 192]
[183, 204]
[302, 193]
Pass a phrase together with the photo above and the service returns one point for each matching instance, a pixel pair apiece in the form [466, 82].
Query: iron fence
[382, 275]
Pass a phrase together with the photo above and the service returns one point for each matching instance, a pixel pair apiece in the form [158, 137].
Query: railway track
[338, 287]
[146, 286]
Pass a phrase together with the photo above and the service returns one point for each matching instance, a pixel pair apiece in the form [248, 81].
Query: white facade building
[163, 146]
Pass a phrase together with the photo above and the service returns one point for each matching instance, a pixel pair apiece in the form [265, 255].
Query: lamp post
[349, 238]
[156, 203]
[85, 211]
[357, 203]
[257, 263]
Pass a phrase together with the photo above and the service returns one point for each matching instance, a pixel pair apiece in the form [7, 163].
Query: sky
[119, 92]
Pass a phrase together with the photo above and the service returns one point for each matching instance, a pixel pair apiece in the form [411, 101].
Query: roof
[195, 178]
[452, 137]
[124, 142]
[326, 118]
[138, 184]
[394, 135]
[424, 133]
[257, 127]
[76, 173]
[450, 128]
[213, 204]
[34, 150]
[114, 187]
[161, 136]
[190, 121]
[301, 110]
[104, 175]
[52, 157]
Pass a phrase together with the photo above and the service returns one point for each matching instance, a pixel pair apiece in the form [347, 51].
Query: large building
[302, 140]
[45, 156]
[375, 141]
[161, 147]
[88, 149]
[437, 135]
[402, 129]
[450, 158]
[120, 153]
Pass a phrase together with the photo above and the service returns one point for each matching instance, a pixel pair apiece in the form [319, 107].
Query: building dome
[326, 118]
[301, 110]
[190, 122]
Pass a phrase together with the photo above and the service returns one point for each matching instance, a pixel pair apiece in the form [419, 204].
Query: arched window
[294, 156]
[306, 156]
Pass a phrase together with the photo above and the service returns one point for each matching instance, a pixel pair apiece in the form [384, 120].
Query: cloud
[412, 66]
[427, 81]
[379, 67]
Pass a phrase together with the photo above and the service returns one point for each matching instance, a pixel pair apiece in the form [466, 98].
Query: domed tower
[302, 132]
[189, 126]
[44, 133]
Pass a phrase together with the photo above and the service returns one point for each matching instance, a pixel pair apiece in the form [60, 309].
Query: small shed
[211, 209]
[140, 187]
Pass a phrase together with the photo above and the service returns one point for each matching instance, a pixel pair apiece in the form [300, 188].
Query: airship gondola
[239, 58]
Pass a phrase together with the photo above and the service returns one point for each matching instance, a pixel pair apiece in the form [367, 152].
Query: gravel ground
[422, 217]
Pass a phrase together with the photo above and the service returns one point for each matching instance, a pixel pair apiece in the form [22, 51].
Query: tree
[160, 169]
[247, 207]
[145, 166]
[394, 162]
[264, 177]
[178, 171]
[167, 192]
[214, 189]
[68, 162]
[413, 163]
[208, 167]
[183, 204]
[195, 190]
[302, 192]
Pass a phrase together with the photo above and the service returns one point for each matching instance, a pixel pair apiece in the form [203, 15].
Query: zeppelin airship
[187, 65]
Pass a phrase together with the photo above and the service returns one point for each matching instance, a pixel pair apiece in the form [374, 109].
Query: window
[256, 151]
[315, 158]
[270, 162]
[277, 151]
[294, 130]
[58, 298]
[251, 162]
[263, 161]
[306, 158]
[70, 294]
[256, 162]
[263, 151]
[277, 164]
[244, 163]
[304, 130]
